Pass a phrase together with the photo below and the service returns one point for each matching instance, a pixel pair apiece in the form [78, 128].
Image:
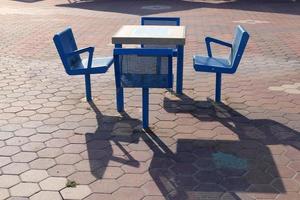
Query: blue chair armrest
[90, 50]
[208, 40]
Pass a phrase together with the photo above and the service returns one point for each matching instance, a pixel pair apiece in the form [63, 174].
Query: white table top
[132, 34]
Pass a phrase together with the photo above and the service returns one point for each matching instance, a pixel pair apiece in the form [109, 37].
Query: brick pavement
[246, 148]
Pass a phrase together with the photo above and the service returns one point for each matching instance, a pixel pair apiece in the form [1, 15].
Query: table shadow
[111, 135]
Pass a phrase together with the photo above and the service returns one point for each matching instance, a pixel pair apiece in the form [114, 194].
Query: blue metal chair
[74, 65]
[161, 21]
[142, 68]
[219, 65]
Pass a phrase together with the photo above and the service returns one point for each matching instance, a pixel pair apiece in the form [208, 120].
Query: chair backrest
[65, 44]
[239, 43]
[161, 21]
[144, 68]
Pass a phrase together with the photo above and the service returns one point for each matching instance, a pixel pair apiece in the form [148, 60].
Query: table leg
[179, 84]
[145, 108]
[119, 88]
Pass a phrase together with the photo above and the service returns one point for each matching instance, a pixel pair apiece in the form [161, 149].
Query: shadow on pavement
[111, 133]
[145, 7]
[215, 169]
[198, 168]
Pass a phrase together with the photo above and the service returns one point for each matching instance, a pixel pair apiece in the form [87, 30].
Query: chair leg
[88, 87]
[218, 87]
[120, 99]
[145, 108]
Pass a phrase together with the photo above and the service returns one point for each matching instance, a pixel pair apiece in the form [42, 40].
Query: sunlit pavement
[246, 148]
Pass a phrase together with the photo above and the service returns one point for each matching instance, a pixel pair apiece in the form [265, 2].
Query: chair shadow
[198, 168]
[215, 169]
[112, 131]
[144, 7]
[266, 131]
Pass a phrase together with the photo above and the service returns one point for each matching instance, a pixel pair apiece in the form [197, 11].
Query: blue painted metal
[73, 64]
[142, 68]
[178, 50]
[172, 21]
[179, 80]
[145, 107]
[218, 87]
[219, 65]
[119, 89]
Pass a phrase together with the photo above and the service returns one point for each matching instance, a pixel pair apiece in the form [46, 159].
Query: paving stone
[50, 152]
[15, 168]
[262, 191]
[141, 155]
[46, 195]
[284, 184]
[18, 198]
[17, 141]
[110, 172]
[6, 181]
[62, 133]
[104, 186]
[68, 159]
[151, 188]
[61, 170]
[24, 157]
[25, 132]
[133, 180]
[4, 193]
[34, 175]
[33, 146]
[79, 192]
[133, 169]
[32, 124]
[258, 120]
[4, 161]
[42, 163]
[56, 143]
[53, 183]
[96, 196]
[289, 196]
[281, 171]
[9, 150]
[5, 135]
[154, 198]
[24, 189]
[47, 129]
[40, 137]
[74, 148]
[128, 193]
[82, 178]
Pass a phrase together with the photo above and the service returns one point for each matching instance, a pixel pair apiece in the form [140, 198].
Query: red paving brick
[46, 125]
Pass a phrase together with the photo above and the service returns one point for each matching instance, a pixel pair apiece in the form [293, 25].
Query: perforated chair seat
[211, 64]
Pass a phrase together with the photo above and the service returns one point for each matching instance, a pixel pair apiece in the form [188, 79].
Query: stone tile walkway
[246, 148]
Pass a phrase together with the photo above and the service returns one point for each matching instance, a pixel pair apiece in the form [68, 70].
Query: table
[162, 35]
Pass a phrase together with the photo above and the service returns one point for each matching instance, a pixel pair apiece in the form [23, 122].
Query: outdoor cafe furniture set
[151, 65]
